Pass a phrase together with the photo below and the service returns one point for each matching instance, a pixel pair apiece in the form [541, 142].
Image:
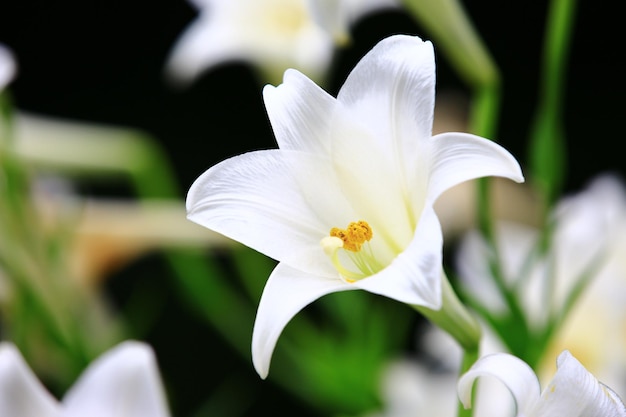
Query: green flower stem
[6, 119]
[44, 305]
[454, 318]
[483, 121]
[547, 144]
[457, 321]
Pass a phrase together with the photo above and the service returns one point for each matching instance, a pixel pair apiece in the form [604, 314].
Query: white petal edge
[514, 373]
[124, 381]
[21, 393]
[414, 276]
[575, 392]
[459, 157]
[286, 292]
[279, 203]
[300, 113]
[203, 45]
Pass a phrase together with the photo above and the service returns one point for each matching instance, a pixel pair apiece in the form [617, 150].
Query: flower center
[285, 17]
[356, 250]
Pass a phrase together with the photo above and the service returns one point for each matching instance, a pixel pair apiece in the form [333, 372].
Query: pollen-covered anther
[351, 246]
[353, 236]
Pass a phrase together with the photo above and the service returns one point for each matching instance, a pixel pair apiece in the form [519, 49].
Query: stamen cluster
[354, 236]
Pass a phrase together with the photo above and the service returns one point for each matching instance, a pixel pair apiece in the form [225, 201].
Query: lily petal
[122, 382]
[514, 373]
[460, 157]
[574, 392]
[286, 292]
[300, 113]
[414, 277]
[8, 67]
[385, 114]
[392, 89]
[265, 200]
[274, 34]
[21, 393]
[336, 16]
[204, 44]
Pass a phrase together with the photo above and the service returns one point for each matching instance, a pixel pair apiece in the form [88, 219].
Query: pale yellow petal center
[284, 18]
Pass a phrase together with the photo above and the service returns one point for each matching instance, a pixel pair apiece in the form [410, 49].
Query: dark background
[102, 61]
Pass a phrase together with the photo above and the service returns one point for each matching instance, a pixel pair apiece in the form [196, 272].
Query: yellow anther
[354, 236]
[352, 239]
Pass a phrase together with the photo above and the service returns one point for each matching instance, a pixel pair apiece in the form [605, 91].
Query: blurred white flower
[272, 34]
[586, 227]
[336, 16]
[365, 161]
[8, 67]
[573, 392]
[409, 388]
[595, 330]
[123, 382]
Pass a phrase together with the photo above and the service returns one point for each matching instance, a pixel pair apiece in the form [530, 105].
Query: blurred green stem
[547, 149]
[454, 33]
[483, 121]
[454, 318]
[547, 157]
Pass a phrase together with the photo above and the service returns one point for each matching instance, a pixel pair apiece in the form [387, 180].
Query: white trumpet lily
[122, 382]
[346, 202]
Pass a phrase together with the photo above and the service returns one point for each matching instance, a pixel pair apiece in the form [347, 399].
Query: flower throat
[354, 240]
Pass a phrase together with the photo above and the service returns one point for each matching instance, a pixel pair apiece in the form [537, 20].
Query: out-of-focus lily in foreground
[347, 201]
[123, 382]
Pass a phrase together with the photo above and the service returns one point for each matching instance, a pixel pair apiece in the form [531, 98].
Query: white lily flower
[573, 392]
[347, 201]
[8, 67]
[272, 34]
[123, 382]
